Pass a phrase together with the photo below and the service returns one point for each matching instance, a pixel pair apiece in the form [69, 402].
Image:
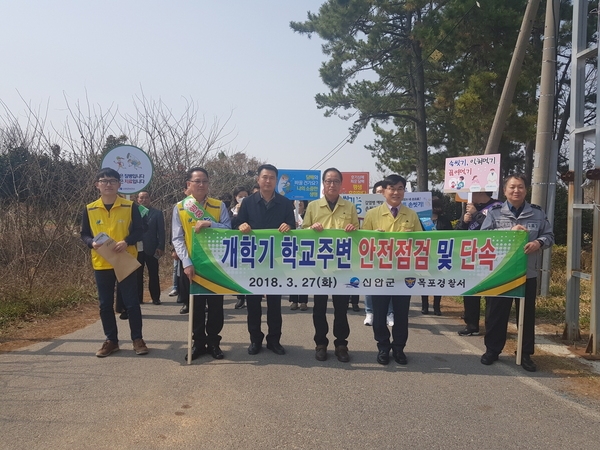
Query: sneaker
[369, 319]
[140, 347]
[240, 303]
[390, 320]
[468, 332]
[173, 293]
[355, 307]
[294, 306]
[303, 306]
[107, 348]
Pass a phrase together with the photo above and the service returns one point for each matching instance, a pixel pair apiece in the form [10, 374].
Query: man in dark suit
[153, 247]
[265, 210]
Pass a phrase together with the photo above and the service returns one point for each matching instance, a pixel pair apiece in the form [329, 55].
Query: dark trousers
[341, 329]
[401, 304]
[254, 308]
[437, 300]
[153, 279]
[205, 331]
[496, 320]
[183, 285]
[105, 282]
[298, 298]
[354, 299]
[472, 309]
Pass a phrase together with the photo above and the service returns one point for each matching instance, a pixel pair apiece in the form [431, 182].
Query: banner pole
[520, 331]
[190, 326]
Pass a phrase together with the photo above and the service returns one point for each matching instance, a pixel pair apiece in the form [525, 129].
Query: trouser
[175, 273]
[401, 304]
[153, 278]
[496, 320]
[472, 310]
[437, 299]
[206, 331]
[254, 309]
[298, 298]
[183, 285]
[369, 305]
[354, 299]
[341, 329]
[105, 282]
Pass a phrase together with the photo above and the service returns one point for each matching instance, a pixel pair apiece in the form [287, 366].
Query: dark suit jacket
[154, 236]
[259, 217]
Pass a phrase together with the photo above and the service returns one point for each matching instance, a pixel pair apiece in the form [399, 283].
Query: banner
[451, 263]
[299, 184]
[419, 202]
[472, 174]
[355, 183]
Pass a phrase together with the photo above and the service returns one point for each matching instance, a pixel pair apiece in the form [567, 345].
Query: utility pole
[544, 174]
[512, 77]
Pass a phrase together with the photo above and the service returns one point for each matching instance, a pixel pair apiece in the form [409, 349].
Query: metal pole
[512, 77]
[547, 254]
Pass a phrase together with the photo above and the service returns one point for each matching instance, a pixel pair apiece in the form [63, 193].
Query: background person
[153, 247]
[440, 222]
[475, 214]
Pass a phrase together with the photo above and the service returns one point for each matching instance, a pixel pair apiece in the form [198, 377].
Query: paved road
[58, 395]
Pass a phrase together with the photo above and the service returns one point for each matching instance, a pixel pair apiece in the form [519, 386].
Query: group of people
[267, 209]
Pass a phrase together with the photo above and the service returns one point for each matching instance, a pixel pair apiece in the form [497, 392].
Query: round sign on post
[134, 166]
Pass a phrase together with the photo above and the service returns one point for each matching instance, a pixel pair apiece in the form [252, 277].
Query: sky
[235, 57]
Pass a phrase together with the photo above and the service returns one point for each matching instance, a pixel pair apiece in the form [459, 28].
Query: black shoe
[383, 357]
[321, 353]
[488, 358]
[156, 302]
[197, 351]
[355, 308]
[437, 312]
[216, 352]
[240, 303]
[254, 348]
[468, 332]
[184, 309]
[528, 364]
[276, 348]
[424, 311]
[400, 357]
[124, 315]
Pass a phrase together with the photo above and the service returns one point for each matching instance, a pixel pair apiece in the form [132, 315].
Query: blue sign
[299, 184]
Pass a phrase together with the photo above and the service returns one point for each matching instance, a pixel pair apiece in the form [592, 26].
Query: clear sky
[236, 57]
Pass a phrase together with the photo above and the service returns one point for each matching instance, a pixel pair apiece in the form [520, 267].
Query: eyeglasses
[393, 189]
[199, 181]
[111, 182]
[336, 182]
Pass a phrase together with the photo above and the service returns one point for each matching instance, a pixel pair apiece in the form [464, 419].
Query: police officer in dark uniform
[516, 214]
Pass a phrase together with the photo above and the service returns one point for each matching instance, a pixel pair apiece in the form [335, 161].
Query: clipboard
[123, 263]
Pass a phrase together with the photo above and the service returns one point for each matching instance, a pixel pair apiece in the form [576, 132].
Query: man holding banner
[331, 212]
[516, 214]
[264, 210]
[391, 216]
[191, 215]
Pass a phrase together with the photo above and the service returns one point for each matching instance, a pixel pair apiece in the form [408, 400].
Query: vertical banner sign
[472, 174]
[134, 166]
[359, 262]
[299, 184]
[355, 183]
